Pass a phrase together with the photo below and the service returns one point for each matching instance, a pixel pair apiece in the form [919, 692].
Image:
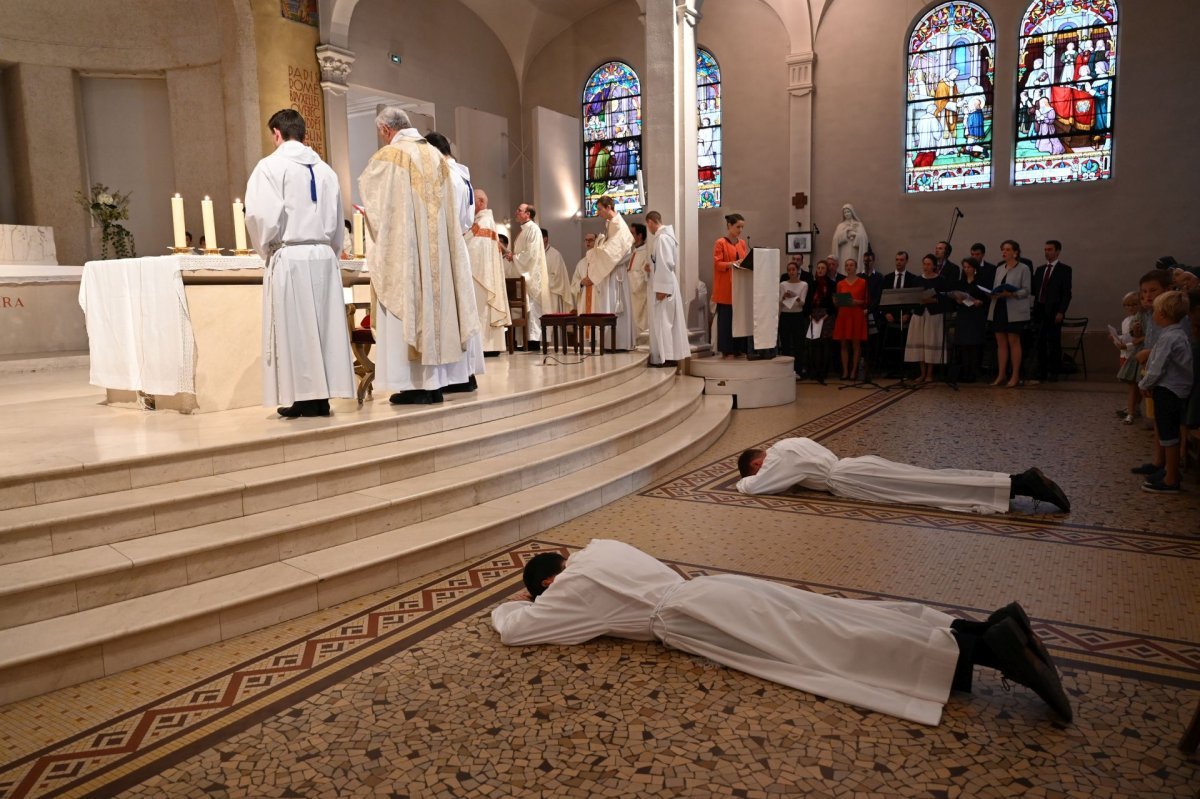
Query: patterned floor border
[126, 750]
[715, 483]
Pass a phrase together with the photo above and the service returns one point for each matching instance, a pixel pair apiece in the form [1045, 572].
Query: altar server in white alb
[637, 273]
[420, 270]
[664, 304]
[899, 658]
[464, 198]
[560, 278]
[528, 257]
[487, 268]
[294, 220]
[605, 287]
[804, 462]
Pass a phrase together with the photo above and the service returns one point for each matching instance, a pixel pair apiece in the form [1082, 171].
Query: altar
[182, 332]
[38, 312]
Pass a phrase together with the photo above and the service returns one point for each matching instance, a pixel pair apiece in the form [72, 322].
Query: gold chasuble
[420, 269]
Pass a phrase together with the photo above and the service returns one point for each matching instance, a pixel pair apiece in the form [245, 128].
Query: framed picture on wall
[799, 243]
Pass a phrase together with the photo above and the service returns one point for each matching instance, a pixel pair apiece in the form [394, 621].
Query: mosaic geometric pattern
[202, 719]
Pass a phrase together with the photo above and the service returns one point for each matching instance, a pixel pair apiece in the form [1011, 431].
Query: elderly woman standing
[1009, 313]
[729, 251]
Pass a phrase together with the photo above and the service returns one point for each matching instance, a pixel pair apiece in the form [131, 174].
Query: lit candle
[177, 221]
[239, 225]
[360, 244]
[210, 226]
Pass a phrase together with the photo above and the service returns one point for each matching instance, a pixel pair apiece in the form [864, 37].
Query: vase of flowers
[108, 209]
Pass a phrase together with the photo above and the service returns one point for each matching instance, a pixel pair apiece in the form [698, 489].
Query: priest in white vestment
[804, 462]
[294, 220]
[899, 658]
[589, 242]
[605, 288]
[667, 318]
[420, 270]
[638, 275]
[487, 267]
[464, 198]
[529, 259]
[560, 279]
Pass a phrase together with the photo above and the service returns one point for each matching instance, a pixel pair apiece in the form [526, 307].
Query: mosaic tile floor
[408, 693]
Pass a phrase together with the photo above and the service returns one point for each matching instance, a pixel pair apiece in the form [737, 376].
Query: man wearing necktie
[1052, 295]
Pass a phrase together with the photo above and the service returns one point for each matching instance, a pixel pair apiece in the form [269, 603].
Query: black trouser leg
[972, 651]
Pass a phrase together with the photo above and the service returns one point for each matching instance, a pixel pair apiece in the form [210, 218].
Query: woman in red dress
[851, 325]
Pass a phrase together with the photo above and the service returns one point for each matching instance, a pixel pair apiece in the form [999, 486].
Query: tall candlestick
[360, 244]
[177, 222]
[239, 225]
[210, 226]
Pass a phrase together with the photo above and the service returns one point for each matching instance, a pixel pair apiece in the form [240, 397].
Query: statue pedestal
[753, 384]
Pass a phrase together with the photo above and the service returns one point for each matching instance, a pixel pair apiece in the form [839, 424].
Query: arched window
[708, 129]
[948, 141]
[612, 138]
[1066, 68]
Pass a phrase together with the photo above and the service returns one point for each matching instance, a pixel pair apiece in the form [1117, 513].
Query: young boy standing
[1168, 381]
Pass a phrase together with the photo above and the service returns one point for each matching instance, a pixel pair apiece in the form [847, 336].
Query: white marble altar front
[38, 311]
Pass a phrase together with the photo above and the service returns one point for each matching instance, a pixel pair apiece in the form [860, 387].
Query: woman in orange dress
[729, 251]
[851, 325]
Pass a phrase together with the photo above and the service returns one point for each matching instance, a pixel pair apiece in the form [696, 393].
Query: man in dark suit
[947, 269]
[987, 269]
[1051, 296]
[896, 319]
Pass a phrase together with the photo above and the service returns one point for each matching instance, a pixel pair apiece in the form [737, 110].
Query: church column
[800, 124]
[669, 130]
[335, 64]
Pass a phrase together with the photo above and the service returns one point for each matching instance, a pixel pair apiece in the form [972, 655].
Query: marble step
[67, 525]
[24, 486]
[69, 649]
[38, 589]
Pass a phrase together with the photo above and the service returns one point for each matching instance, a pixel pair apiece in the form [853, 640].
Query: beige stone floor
[457, 715]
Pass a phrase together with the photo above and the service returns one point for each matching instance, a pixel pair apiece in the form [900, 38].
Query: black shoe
[533, 346]
[459, 388]
[491, 353]
[1021, 663]
[415, 397]
[1046, 490]
[315, 408]
[1149, 469]
[1158, 486]
[293, 411]
[435, 396]
[1014, 611]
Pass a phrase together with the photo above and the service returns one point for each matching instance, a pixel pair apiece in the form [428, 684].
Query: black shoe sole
[1022, 664]
[1014, 611]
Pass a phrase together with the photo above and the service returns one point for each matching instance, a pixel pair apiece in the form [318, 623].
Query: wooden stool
[603, 321]
[562, 326]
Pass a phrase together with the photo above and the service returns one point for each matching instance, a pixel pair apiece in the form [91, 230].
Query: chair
[603, 321]
[518, 309]
[1078, 354]
[362, 338]
[562, 327]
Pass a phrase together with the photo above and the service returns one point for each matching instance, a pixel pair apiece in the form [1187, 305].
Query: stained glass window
[708, 129]
[948, 141]
[612, 138]
[1066, 72]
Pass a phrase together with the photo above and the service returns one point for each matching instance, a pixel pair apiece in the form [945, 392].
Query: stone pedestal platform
[753, 384]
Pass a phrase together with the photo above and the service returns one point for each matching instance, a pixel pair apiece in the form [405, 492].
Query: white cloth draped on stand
[756, 300]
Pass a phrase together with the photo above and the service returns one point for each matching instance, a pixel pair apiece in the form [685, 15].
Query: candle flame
[206, 197]
[176, 194]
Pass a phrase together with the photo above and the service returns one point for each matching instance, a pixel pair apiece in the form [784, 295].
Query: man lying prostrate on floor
[898, 658]
[804, 462]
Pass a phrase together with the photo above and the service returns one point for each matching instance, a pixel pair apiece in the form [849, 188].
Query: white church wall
[448, 56]
[556, 178]
[751, 46]
[482, 144]
[1111, 230]
[180, 41]
[127, 133]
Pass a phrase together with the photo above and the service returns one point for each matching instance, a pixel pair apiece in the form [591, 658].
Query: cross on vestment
[799, 200]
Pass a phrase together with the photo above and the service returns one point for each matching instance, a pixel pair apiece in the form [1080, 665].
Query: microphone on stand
[959, 212]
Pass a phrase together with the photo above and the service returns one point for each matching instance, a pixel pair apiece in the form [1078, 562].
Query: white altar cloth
[756, 300]
[139, 330]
